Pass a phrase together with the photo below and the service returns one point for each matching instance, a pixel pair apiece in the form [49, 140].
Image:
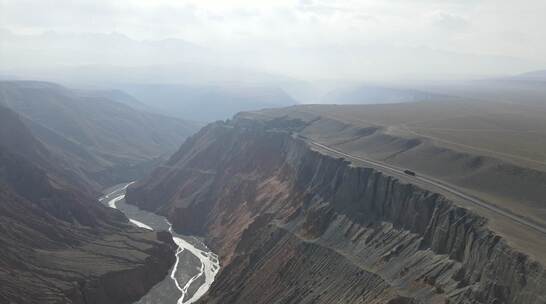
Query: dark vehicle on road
[409, 172]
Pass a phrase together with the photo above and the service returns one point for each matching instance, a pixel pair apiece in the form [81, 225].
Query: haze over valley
[292, 151]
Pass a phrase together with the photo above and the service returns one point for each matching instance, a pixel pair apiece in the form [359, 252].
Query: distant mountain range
[50, 48]
[524, 88]
[534, 75]
[58, 51]
[96, 138]
[374, 94]
[208, 102]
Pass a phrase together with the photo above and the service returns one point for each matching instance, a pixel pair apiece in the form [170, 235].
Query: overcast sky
[368, 33]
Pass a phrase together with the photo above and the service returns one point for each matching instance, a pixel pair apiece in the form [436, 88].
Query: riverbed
[195, 268]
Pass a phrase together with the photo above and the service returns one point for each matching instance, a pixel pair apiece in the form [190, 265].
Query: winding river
[195, 266]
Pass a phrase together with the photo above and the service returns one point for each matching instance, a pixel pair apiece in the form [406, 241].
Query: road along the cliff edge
[432, 182]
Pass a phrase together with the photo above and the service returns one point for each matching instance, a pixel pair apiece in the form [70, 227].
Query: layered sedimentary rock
[292, 225]
[58, 244]
[490, 166]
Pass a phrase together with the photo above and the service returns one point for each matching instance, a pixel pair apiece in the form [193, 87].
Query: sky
[312, 38]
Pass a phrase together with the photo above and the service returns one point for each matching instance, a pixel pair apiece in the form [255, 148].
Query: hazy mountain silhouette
[103, 140]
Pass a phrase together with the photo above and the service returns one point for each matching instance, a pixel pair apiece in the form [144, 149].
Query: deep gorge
[292, 225]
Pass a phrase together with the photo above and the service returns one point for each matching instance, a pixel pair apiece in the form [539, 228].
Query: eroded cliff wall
[293, 225]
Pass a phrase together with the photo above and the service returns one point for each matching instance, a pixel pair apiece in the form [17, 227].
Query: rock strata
[292, 225]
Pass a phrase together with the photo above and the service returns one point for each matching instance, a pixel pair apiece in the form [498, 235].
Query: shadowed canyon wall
[57, 243]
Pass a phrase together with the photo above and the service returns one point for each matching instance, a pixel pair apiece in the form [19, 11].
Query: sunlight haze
[376, 40]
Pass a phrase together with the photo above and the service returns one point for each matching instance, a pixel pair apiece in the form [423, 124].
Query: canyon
[292, 224]
[195, 267]
[272, 152]
[92, 135]
[57, 244]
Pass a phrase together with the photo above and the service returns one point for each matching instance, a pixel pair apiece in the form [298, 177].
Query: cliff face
[292, 225]
[58, 244]
[494, 168]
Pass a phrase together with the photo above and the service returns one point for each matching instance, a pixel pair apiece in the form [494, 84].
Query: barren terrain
[493, 151]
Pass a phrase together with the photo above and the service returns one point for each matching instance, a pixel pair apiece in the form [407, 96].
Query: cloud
[270, 28]
[449, 21]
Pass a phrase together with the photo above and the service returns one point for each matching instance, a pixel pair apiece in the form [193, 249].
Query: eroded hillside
[293, 225]
[95, 138]
[57, 244]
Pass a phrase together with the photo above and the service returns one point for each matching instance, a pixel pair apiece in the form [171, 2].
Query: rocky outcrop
[292, 225]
